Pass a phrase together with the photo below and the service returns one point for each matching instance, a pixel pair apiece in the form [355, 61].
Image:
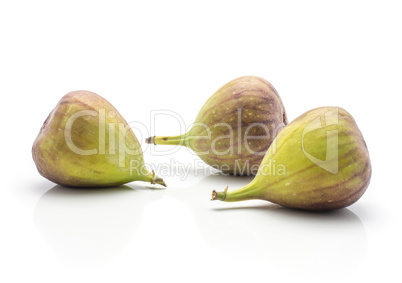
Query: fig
[85, 142]
[235, 127]
[319, 161]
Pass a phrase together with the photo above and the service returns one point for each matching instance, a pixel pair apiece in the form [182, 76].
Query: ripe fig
[85, 142]
[235, 127]
[319, 161]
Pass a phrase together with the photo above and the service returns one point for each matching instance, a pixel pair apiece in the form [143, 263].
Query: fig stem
[250, 191]
[219, 195]
[167, 140]
[160, 181]
[150, 140]
[157, 180]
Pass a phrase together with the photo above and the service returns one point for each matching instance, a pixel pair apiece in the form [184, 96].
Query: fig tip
[219, 195]
[150, 140]
[157, 180]
[213, 195]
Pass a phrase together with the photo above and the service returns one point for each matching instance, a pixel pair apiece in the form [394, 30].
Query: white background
[173, 55]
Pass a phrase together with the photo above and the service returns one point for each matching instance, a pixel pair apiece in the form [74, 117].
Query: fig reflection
[293, 240]
[88, 227]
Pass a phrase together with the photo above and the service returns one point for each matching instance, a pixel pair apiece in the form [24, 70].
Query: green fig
[235, 127]
[85, 142]
[319, 161]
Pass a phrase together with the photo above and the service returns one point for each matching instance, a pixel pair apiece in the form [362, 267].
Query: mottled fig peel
[319, 161]
[235, 127]
[85, 142]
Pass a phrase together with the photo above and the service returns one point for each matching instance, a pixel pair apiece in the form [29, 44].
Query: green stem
[250, 191]
[149, 177]
[167, 140]
[157, 180]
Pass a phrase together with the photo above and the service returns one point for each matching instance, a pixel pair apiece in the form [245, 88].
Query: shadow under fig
[90, 226]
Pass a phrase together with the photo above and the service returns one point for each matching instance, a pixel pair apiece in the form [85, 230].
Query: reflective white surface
[138, 231]
[91, 227]
[172, 56]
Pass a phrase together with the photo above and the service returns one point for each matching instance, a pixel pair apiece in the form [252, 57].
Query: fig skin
[245, 108]
[308, 183]
[93, 156]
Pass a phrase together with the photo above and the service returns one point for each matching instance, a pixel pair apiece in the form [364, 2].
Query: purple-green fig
[319, 161]
[85, 142]
[235, 127]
